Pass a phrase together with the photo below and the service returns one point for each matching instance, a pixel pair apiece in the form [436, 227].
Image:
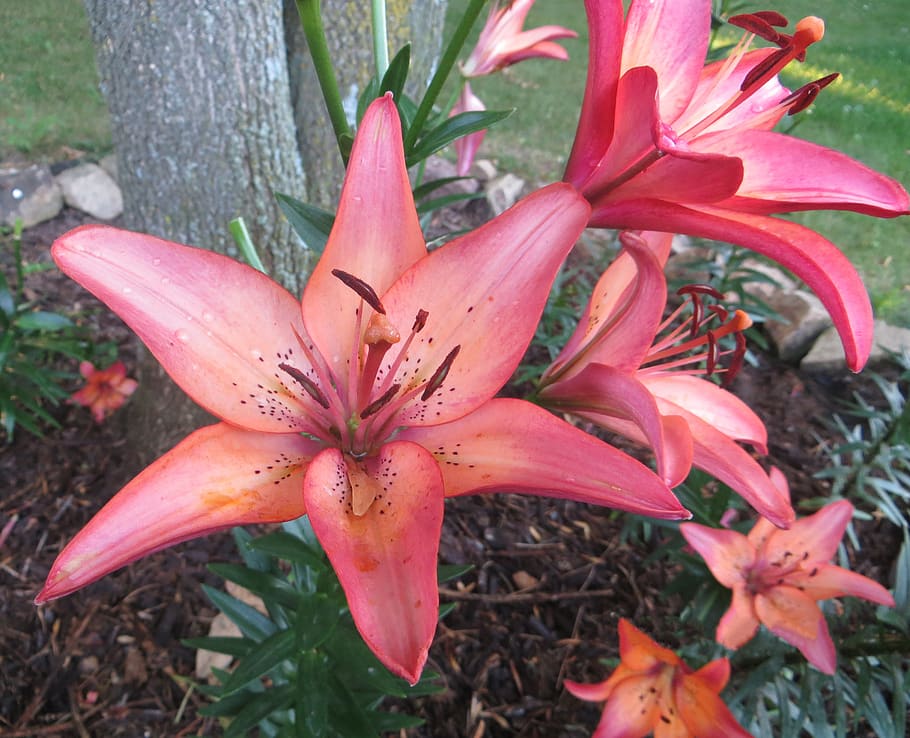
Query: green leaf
[41, 320]
[272, 700]
[440, 202]
[7, 303]
[370, 93]
[261, 583]
[312, 224]
[313, 694]
[397, 74]
[317, 617]
[453, 128]
[267, 655]
[448, 572]
[386, 722]
[289, 548]
[237, 647]
[252, 623]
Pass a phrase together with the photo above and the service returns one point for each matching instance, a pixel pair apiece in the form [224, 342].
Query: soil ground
[549, 584]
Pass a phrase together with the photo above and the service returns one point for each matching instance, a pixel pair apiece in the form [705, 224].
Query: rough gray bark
[348, 32]
[203, 129]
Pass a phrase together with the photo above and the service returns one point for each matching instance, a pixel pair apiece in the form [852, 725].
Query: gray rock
[828, 353]
[777, 279]
[805, 319]
[484, 170]
[109, 164]
[90, 189]
[503, 192]
[29, 193]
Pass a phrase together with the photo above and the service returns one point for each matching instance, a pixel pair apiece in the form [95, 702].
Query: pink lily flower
[466, 147]
[666, 144]
[628, 370]
[502, 41]
[777, 576]
[652, 689]
[105, 390]
[364, 405]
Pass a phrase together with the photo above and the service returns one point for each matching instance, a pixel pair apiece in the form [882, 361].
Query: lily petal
[679, 56]
[739, 623]
[794, 617]
[385, 557]
[513, 446]
[728, 554]
[376, 236]
[218, 327]
[496, 281]
[814, 538]
[588, 692]
[600, 392]
[783, 174]
[714, 405]
[596, 120]
[714, 675]
[216, 478]
[827, 581]
[700, 706]
[639, 652]
[810, 257]
[632, 710]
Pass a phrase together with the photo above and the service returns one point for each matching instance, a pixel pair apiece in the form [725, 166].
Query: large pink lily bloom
[363, 405]
[777, 576]
[652, 689]
[631, 371]
[502, 42]
[664, 143]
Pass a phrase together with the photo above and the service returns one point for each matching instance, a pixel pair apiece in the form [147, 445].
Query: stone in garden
[804, 320]
[109, 164]
[776, 280]
[439, 168]
[503, 192]
[828, 353]
[29, 193]
[484, 170]
[87, 187]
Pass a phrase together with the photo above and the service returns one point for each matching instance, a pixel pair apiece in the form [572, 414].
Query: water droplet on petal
[208, 317]
[156, 262]
[182, 336]
[127, 290]
[256, 354]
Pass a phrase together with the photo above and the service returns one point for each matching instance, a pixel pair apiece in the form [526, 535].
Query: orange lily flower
[665, 143]
[105, 390]
[363, 405]
[777, 576]
[630, 370]
[654, 690]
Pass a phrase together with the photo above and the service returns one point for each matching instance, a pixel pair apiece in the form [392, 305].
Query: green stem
[242, 238]
[17, 256]
[311, 19]
[380, 38]
[442, 71]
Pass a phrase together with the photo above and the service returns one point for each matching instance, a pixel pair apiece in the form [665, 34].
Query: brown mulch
[550, 579]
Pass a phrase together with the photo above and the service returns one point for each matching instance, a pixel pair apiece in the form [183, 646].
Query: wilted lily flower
[364, 405]
[502, 41]
[105, 390]
[777, 576]
[636, 373]
[653, 690]
[664, 143]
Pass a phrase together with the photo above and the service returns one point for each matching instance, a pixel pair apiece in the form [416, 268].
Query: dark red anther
[764, 67]
[700, 289]
[440, 374]
[712, 353]
[772, 17]
[759, 25]
[311, 389]
[361, 288]
[377, 405]
[420, 321]
[736, 363]
[805, 95]
[720, 311]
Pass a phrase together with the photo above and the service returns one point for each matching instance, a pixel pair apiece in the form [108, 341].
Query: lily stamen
[367, 293]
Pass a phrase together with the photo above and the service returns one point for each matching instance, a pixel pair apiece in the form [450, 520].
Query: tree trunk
[204, 132]
[349, 36]
[204, 129]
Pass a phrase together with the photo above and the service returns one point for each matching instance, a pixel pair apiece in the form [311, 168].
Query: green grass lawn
[49, 98]
[49, 94]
